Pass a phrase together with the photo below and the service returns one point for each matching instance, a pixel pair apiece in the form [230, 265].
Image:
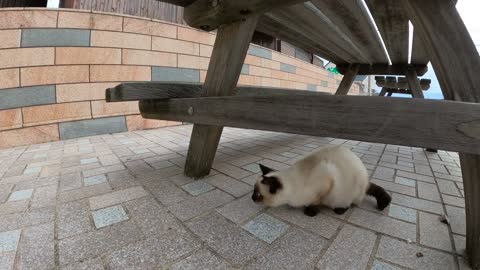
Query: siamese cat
[333, 176]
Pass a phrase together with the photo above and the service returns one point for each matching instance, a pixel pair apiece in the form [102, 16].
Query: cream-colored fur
[333, 176]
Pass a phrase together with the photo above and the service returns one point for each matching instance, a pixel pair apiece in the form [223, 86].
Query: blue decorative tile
[140, 151]
[266, 228]
[42, 155]
[403, 213]
[198, 187]
[108, 216]
[76, 129]
[95, 180]
[21, 195]
[311, 87]
[288, 68]
[405, 181]
[55, 37]
[378, 265]
[27, 96]
[324, 83]
[260, 52]
[169, 74]
[245, 69]
[32, 170]
[253, 167]
[88, 160]
[9, 240]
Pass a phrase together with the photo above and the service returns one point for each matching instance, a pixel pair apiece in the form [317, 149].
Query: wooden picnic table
[343, 32]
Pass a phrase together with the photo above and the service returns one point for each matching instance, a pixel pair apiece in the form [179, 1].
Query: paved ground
[120, 202]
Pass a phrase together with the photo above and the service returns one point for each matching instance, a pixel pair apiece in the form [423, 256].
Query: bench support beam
[395, 69]
[348, 79]
[411, 122]
[456, 63]
[229, 51]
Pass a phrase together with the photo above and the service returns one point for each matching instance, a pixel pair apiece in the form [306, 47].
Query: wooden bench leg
[414, 83]
[471, 181]
[383, 92]
[456, 63]
[229, 51]
[348, 79]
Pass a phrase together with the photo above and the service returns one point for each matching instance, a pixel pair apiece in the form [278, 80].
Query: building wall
[56, 64]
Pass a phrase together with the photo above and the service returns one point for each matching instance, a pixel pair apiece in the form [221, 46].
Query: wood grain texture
[347, 80]
[456, 63]
[209, 15]
[411, 122]
[299, 25]
[229, 51]
[397, 69]
[414, 84]
[351, 18]
[393, 26]
[419, 55]
[168, 10]
[158, 90]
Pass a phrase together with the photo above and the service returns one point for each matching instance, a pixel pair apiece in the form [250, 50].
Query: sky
[468, 10]
[53, 3]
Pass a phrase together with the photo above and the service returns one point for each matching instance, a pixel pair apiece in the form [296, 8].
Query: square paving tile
[108, 216]
[95, 180]
[42, 155]
[253, 167]
[9, 240]
[405, 181]
[266, 227]
[21, 195]
[88, 160]
[403, 213]
[105, 219]
[378, 265]
[141, 151]
[198, 187]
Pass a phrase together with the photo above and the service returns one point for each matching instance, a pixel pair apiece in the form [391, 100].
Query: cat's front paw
[310, 211]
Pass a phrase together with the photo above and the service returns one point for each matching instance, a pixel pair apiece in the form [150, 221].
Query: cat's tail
[383, 199]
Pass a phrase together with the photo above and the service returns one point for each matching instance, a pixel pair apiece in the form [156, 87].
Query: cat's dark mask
[272, 182]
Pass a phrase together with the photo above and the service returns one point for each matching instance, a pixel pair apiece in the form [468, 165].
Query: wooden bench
[393, 85]
[340, 31]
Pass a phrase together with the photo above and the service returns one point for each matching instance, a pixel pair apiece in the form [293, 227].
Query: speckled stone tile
[202, 260]
[351, 249]
[198, 187]
[231, 242]
[404, 254]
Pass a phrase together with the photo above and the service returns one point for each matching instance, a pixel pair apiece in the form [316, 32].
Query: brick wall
[56, 64]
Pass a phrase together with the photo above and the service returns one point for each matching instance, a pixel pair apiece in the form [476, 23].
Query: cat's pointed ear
[265, 169]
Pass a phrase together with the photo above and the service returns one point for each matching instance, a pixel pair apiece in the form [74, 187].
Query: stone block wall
[56, 64]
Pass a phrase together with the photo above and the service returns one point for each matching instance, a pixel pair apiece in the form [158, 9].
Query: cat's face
[267, 188]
